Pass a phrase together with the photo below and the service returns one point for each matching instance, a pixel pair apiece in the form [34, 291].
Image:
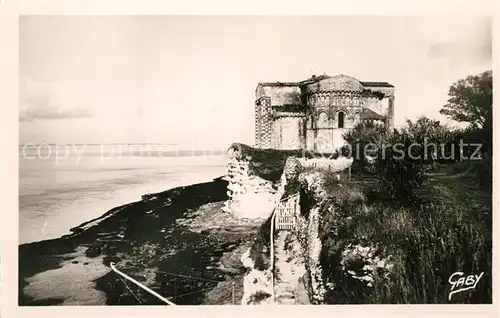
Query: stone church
[314, 113]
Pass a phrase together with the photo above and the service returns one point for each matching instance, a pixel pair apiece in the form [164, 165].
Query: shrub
[259, 297]
[483, 167]
[259, 252]
[378, 253]
[436, 139]
[484, 173]
[358, 138]
[265, 163]
[400, 174]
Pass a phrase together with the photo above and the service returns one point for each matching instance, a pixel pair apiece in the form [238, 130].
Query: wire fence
[175, 297]
[283, 216]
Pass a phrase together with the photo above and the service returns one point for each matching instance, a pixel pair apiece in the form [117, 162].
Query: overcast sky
[191, 80]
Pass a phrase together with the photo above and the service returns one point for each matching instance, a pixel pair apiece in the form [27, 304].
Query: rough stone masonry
[313, 114]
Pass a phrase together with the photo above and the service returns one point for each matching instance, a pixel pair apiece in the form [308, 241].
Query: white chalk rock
[253, 205]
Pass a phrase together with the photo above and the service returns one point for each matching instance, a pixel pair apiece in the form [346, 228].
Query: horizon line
[116, 143]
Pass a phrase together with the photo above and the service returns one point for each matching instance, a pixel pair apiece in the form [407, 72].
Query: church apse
[314, 114]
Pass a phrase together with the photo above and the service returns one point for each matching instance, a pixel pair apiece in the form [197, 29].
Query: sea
[63, 186]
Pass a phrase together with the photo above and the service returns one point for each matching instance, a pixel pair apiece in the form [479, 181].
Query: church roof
[279, 84]
[316, 78]
[377, 84]
[370, 114]
[310, 80]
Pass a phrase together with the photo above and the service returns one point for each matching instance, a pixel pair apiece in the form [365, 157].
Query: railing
[284, 216]
[334, 165]
[339, 164]
[285, 212]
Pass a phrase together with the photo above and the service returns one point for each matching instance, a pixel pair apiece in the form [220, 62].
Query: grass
[448, 231]
[260, 250]
[447, 228]
[269, 163]
[266, 163]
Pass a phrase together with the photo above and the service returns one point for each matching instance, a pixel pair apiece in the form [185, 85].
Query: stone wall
[281, 95]
[380, 106]
[338, 140]
[324, 142]
[326, 97]
[263, 123]
[384, 106]
[287, 133]
[387, 91]
[335, 99]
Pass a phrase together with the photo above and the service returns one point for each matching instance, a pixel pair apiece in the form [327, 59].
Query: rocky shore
[179, 243]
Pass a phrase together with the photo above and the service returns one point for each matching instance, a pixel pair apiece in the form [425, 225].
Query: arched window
[310, 122]
[341, 120]
[323, 121]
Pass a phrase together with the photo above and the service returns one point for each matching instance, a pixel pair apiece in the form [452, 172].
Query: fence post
[273, 218]
[233, 293]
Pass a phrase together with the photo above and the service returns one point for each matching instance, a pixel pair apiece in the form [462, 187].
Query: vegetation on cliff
[406, 223]
[378, 251]
[265, 163]
[409, 218]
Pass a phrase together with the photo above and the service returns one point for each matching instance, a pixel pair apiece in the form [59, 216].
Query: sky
[190, 80]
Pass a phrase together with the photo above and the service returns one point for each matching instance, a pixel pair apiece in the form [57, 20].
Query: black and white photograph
[243, 160]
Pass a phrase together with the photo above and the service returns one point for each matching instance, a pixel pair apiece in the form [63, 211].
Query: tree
[471, 100]
[432, 133]
[364, 134]
[366, 131]
[398, 172]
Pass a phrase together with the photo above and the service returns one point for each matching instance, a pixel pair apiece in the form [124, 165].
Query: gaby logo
[461, 283]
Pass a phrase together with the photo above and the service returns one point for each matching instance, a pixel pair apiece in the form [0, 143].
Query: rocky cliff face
[250, 196]
[287, 283]
[339, 265]
[311, 263]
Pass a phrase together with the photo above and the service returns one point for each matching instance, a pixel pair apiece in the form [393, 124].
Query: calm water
[64, 186]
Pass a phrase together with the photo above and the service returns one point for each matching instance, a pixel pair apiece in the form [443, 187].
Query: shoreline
[181, 231]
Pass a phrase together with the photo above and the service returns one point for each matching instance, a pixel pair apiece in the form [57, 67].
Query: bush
[259, 252]
[484, 173]
[265, 163]
[373, 252]
[437, 139]
[483, 167]
[461, 167]
[400, 174]
[358, 138]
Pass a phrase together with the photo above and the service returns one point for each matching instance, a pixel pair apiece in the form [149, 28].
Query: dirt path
[289, 270]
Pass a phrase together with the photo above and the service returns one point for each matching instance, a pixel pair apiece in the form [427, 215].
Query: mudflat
[178, 242]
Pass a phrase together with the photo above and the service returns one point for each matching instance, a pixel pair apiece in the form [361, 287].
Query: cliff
[317, 261]
[257, 180]
[254, 180]
[347, 245]
[336, 254]
[351, 244]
